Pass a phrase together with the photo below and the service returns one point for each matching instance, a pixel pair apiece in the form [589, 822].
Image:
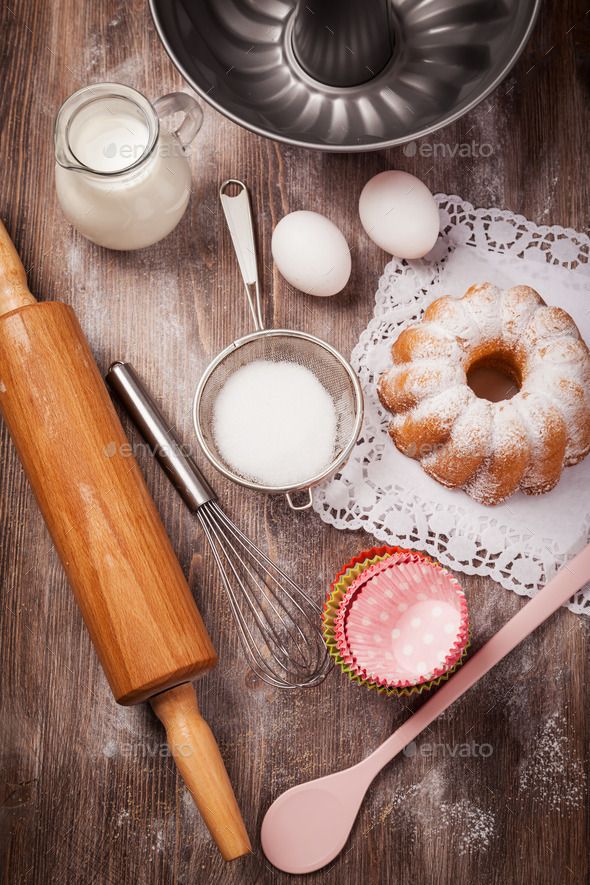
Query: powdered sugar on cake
[491, 450]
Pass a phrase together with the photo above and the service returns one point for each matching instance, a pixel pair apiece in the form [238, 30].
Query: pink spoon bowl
[403, 622]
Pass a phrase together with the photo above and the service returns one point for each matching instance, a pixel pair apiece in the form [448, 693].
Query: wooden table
[495, 792]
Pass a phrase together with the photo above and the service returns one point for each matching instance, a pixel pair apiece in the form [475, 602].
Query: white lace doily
[522, 542]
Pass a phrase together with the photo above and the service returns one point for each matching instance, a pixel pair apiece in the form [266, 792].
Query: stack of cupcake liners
[396, 621]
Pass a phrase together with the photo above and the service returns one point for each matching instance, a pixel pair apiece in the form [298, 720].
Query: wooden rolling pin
[134, 598]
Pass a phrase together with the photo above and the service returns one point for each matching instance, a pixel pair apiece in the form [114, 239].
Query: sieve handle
[305, 504]
[238, 214]
[171, 455]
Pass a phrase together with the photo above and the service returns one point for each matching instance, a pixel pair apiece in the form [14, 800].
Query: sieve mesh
[280, 346]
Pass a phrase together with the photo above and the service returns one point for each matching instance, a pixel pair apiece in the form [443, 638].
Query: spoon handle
[567, 581]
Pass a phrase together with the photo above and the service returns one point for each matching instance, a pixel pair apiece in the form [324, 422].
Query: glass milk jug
[121, 180]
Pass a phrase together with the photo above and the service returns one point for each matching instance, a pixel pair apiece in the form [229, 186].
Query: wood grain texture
[14, 291]
[199, 761]
[90, 795]
[121, 566]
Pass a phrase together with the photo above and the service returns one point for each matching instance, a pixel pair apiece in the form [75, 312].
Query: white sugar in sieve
[274, 345]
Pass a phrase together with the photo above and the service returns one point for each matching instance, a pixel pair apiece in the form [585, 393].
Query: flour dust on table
[552, 775]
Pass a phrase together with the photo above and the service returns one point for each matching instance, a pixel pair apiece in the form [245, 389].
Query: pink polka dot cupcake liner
[362, 561]
[402, 623]
[338, 589]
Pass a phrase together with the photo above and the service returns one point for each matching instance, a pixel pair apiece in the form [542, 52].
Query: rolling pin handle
[199, 762]
[14, 291]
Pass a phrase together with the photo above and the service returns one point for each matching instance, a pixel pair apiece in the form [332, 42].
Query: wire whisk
[276, 620]
[279, 626]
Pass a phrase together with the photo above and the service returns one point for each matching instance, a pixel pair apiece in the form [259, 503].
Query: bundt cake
[491, 449]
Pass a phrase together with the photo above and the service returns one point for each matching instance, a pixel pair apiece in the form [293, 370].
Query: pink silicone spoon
[306, 827]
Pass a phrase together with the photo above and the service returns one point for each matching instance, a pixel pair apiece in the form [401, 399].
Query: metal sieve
[274, 345]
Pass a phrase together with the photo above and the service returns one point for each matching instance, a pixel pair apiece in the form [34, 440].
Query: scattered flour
[421, 812]
[189, 809]
[110, 749]
[159, 840]
[114, 730]
[473, 828]
[397, 809]
[552, 776]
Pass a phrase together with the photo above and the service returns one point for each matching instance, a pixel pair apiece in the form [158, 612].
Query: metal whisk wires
[278, 623]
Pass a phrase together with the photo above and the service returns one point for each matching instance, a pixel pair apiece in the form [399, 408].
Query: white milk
[125, 185]
[108, 135]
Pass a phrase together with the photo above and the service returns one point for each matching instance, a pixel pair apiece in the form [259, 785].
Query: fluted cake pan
[344, 75]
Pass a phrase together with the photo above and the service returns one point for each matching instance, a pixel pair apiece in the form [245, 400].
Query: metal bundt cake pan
[344, 75]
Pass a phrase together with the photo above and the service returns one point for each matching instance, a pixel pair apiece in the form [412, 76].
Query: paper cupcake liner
[338, 590]
[402, 622]
[374, 554]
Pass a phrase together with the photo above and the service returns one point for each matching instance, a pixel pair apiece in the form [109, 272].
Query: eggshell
[400, 214]
[311, 253]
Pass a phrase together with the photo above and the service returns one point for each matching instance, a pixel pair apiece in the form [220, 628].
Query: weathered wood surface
[89, 795]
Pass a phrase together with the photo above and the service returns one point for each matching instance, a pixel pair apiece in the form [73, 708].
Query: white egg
[311, 253]
[399, 214]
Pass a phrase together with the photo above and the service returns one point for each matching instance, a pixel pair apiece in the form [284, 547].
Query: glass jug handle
[193, 115]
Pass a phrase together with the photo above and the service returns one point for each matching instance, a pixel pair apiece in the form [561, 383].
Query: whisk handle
[171, 454]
